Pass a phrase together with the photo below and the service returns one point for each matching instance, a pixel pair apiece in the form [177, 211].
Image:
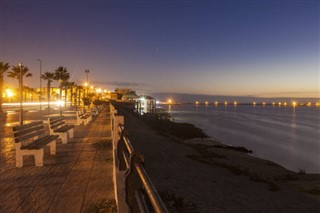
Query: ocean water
[286, 135]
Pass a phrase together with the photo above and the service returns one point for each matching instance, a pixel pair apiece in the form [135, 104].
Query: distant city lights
[294, 104]
[254, 103]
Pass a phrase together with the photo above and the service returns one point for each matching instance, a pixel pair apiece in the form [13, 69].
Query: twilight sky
[257, 48]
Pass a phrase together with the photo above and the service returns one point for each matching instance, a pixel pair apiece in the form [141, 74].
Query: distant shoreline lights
[254, 103]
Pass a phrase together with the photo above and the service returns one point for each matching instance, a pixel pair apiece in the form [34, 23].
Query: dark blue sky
[261, 48]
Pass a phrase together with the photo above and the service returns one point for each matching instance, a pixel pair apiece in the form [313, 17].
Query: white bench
[57, 126]
[94, 111]
[30, 139]
[83, 118]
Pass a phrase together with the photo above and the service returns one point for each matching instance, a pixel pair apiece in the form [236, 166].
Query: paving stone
[79, 174]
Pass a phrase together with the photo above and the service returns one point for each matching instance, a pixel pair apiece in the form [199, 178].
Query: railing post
[118, 176]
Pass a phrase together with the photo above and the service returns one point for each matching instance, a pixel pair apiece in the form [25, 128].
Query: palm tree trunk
[48, 95]
[65, 96]
[60, 91]
[79, 97]
[71, 91]
[1, 92]
[25, 94]
[76, 98]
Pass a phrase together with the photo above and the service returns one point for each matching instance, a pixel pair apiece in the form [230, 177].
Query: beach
[203, 175]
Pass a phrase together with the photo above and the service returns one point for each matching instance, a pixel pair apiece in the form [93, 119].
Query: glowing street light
[254, 104]
[294, 104]
[197, 102]
[207, 103]
[170, 101]
[9, 93]
[235, 103]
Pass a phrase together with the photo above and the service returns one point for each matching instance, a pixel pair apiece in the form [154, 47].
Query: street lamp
[87, 73]
[21, 94]
[40, 94]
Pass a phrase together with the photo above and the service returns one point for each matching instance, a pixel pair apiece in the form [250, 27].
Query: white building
[145, 104]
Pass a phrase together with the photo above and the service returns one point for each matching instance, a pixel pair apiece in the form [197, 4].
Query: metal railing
[140, 193]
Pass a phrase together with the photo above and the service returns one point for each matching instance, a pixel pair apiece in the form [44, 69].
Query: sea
[289, 136]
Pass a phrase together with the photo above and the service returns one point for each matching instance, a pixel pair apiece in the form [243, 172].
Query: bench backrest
[79, 113]
[55, 122]
[27, 131]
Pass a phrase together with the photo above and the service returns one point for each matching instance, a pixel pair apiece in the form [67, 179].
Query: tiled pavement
[74, 180]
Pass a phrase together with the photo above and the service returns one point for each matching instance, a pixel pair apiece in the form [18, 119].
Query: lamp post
[21, 94]
[87, 73]
[40, 94]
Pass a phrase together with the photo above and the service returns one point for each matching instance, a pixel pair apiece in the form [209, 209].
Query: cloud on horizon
[120, 83]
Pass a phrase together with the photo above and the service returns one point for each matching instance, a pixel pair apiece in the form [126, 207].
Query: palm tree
[79, 88]
[71, 87]
[26, 89]
[61, 74]
[15, 73]
[3, 68]
[65, 84]
[49, 76]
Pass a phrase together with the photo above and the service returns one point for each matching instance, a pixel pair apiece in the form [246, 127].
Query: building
[145, 104]
[129, 96]
[122, 91]
[114, 96]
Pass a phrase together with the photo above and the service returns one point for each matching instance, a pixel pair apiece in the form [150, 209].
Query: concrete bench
[57, 126]
[30, 139]
[83, 118]
[94, 111]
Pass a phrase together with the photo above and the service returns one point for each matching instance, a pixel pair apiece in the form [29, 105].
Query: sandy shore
[202, 175]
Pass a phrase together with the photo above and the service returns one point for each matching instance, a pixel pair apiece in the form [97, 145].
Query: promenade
[77, 179]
